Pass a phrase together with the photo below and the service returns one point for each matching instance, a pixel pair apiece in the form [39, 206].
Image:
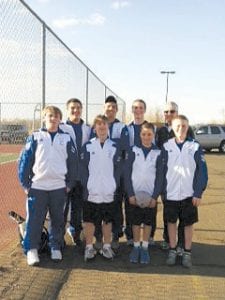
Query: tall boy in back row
[80, 133]
[184, 178]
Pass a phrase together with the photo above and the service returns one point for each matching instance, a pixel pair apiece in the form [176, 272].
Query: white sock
[89, 246]
[137, 244]
[105, 246]
[145, 244]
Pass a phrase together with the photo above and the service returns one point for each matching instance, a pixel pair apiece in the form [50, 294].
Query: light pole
[167, 80]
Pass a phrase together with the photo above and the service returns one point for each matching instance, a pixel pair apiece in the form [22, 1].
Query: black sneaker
[16, 217]
[78, 241]
[115, 244]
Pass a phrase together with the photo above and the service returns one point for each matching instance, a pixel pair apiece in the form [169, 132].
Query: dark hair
[140, 101]
[74, 100]
[148, 125]
[111, 99]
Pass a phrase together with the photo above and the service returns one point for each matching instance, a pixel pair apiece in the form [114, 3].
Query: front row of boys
[178, 172]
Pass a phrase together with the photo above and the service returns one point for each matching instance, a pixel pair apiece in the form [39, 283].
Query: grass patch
[6, 157]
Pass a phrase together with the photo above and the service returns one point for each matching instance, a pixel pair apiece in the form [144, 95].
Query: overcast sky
[128, 43]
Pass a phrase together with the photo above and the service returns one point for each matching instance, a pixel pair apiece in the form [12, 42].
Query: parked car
[211, 136]
[13, 133]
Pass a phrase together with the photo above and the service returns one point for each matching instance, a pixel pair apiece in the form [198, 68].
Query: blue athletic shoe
[134, 255]
[144, 256]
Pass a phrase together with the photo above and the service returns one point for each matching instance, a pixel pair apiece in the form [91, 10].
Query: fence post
[86, 100]
[43, 67]
[105, 93]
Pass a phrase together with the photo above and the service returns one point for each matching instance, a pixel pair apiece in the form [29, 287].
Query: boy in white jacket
[100, 177]
[47, 169]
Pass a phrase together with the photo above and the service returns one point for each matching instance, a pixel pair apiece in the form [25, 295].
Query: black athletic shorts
[183, 210]
[97, 212]
[142, 215]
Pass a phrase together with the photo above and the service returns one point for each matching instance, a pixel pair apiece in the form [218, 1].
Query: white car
[211, 136]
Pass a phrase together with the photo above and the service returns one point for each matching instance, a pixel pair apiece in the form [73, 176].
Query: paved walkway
[118, 279]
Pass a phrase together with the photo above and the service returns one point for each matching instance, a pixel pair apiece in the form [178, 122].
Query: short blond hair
[181, 117]
[99, 119]
[52, 109]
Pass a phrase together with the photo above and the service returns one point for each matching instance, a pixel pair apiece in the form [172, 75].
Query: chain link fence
[36, 69]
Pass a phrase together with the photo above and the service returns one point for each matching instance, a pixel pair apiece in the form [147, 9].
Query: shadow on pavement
[208, 260]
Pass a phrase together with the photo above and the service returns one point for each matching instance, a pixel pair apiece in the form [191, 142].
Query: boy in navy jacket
[80, 133]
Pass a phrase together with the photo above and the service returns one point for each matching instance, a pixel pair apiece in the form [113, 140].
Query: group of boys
[91, 170]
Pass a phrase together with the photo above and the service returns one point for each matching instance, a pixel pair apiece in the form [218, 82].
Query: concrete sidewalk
[118, 279]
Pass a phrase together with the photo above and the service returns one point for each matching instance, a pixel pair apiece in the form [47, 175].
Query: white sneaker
[56, 255]
[89, 253]
[107, 252]
[32, 257]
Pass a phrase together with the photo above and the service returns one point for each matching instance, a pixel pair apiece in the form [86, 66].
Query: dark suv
[211, 136]
[13, 133]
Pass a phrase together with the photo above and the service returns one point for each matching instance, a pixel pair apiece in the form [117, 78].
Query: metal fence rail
[36, 68]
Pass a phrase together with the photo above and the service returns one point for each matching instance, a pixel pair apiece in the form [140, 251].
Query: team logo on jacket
[189, 151]
[73, 149]
[40, 140]
[61, 141]
[118, 159]
[110, 154]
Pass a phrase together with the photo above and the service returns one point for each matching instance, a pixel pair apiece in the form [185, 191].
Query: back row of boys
[44, 171]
